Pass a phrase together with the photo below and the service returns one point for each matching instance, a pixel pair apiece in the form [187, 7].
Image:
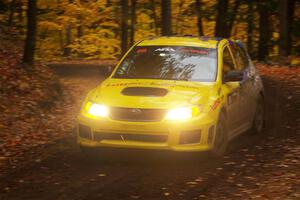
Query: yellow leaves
[110, 24]
[97, 20]
[49, 25]
[275, 35]
[66, 19]
[142, 34]
[48, 49]
[97, 45]
[295, 61]
[144, 18]
[209, 27]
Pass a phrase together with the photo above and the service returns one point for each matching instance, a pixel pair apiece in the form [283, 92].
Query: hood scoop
[144, 91]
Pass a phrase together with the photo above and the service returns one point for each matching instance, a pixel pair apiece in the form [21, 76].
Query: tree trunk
[221, 20]
[61, 40]
[124, 26]
[231, 19]
[166, 18]
[199, 18]
[67, 50]
[156, 23]
[29, 48]
[178, 20]
[133, 21]
[19, 9]
[12, 9]
[79, 30]
[250, 23]
[284, 28]
[286, 15]
[80, 33]
[291, 13]
[263, 47]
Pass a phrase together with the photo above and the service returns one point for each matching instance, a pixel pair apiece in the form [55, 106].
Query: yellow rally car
[175, 93]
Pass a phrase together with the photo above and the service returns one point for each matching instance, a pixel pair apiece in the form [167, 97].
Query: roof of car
[206, 42]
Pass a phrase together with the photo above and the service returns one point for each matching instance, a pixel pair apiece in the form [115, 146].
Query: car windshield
[169, 63]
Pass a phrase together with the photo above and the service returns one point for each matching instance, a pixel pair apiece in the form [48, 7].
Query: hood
[151, 93]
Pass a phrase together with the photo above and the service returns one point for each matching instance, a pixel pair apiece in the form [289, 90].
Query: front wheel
[221, 139]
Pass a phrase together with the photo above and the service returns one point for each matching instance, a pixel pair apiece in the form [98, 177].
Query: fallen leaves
[25, 121]
[101, 175]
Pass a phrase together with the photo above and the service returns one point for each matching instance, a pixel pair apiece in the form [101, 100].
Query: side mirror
[233, 76]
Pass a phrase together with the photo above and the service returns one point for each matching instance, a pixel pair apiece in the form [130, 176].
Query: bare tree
[286, 15]
[124, 26]
[199, 18]
[263, 46]
[225, 17]
[221, 20]
[12, 9]
[154, 15]
[67, 49]
[29, 48]
[231, 19]
[166, 18]
[133, 21]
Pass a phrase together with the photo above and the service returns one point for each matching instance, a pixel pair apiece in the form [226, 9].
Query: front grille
[130, 137]
[137, 114]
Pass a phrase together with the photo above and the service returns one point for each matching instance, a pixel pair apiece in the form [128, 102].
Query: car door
[247, 100]
[231, 91]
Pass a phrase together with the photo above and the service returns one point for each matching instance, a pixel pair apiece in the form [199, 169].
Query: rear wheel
[221, 139]
[259, 117]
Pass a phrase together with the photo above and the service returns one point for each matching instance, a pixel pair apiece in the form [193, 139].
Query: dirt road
[256, 167]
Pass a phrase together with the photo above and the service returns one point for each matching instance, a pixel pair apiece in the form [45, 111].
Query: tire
[259, 117]
[221, 139]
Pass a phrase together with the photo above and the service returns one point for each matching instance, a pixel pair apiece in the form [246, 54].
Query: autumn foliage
[97, 29]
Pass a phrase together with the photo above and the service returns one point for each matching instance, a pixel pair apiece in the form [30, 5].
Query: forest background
[105, 29]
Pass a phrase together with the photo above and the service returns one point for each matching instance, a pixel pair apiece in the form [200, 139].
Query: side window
[244, 57]
[228, 64]
[240, 57]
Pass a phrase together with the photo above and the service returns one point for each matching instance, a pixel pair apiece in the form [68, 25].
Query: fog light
[190, 137]
[84, 132]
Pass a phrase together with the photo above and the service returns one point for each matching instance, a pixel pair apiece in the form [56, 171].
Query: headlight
[183, 113]
[97, 110]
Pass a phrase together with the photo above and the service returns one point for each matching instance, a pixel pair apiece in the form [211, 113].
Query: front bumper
[193, 135]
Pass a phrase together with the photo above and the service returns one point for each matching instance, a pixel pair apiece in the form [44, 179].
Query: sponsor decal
[165, 49]
[143, 50]
[148, 83]
[122, 84]
[195, 51]
[215, 104]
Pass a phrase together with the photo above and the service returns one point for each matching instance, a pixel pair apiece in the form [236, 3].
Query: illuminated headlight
[97, 110]
[184, 113]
